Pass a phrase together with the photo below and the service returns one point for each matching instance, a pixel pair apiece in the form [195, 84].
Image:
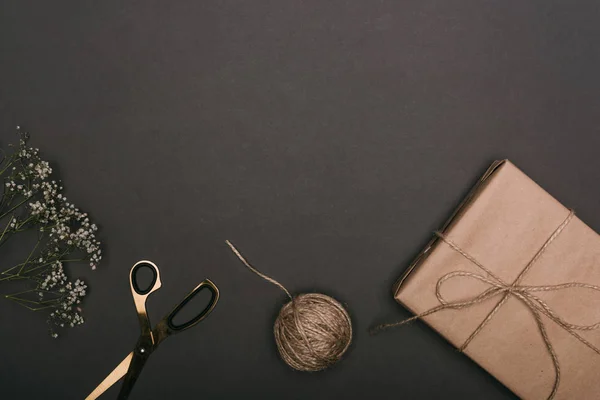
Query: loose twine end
[378, 328]
[257, 272]
[382, 327]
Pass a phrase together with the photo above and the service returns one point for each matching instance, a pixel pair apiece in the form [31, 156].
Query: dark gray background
[327, 139]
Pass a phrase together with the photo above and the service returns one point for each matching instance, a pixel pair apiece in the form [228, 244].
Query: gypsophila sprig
[33, 202]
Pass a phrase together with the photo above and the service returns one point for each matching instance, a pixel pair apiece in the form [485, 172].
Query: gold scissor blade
[113, 377]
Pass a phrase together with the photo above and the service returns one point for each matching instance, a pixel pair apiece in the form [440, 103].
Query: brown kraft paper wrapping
[503, 223]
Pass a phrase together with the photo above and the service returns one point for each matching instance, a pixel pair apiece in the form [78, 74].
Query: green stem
[42, 266]
[15, 207]
[39, 266]
[22, 303]
[22, 223]
[30, 254]
[6, 198]
[15, 296]
[11, 268]
[12, 277]
[7, 167]
[4, 231]
[73, 260]
[5, 240]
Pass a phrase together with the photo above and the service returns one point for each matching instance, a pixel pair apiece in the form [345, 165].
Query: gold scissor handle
[140, 294]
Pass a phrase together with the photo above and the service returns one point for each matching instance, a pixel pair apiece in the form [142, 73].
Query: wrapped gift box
[508, 252]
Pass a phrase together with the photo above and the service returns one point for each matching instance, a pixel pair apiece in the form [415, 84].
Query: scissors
[150, 339]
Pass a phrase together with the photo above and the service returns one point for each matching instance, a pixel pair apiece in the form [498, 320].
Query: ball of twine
[312, 331]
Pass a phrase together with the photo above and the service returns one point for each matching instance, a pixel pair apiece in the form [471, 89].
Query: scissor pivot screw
[142, 350]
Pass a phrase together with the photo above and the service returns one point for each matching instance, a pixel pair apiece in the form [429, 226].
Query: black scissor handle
[154, 284]
[204, 285]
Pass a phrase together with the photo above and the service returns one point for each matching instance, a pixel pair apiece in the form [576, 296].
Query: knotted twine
[312, 330]
[524, 293]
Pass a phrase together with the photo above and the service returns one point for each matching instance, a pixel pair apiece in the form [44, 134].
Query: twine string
[524, 293]
[312, 331]
[257, 272]
[299, 327]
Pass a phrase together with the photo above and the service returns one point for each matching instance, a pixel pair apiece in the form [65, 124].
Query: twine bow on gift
[523, 293]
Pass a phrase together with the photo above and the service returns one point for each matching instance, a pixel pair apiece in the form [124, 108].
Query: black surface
[326, 139]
